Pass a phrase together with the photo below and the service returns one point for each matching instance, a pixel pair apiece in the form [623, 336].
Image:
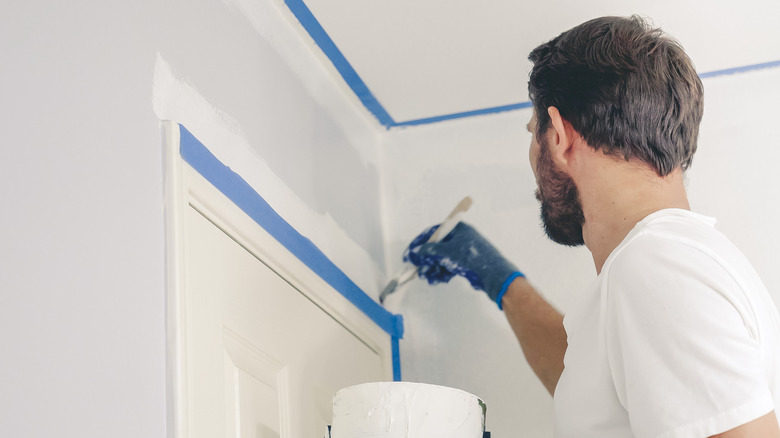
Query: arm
[764, 427]
[537, 325]
[539, 329]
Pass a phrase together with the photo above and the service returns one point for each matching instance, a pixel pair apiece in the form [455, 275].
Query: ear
[561, 145]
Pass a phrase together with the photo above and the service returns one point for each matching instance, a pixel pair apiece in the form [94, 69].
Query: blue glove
[466, 253]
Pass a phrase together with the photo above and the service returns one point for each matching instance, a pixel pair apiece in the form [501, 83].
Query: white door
[263, 361]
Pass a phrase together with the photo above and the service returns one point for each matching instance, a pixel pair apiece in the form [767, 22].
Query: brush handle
[450, 221]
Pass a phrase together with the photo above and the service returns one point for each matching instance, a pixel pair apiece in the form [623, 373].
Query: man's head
[628, 89]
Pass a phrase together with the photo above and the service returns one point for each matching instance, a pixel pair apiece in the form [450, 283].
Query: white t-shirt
[676, 337]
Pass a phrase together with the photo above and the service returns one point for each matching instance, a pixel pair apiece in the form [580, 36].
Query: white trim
[174, 194]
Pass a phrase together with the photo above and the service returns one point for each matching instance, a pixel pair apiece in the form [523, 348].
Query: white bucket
[406, 410]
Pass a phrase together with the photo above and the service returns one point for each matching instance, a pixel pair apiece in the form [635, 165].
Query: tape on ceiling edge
[743, 69]
[350, 76]
[361, 90]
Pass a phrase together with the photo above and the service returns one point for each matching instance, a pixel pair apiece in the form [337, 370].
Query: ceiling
[412, 62]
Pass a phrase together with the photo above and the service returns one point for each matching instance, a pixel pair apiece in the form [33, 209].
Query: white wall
[81, 259]
[455, 336]
[82, 256]
[82, 281]
[734, 176]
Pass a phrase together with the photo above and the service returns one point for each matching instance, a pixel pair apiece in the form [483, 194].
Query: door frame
[185, 188]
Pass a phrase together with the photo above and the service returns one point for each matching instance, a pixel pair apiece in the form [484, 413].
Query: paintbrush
[446, 226]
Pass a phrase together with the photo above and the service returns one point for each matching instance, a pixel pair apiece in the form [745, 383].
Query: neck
[618, 196]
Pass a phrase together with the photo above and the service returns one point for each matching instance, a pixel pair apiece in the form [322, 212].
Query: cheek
[533, 155]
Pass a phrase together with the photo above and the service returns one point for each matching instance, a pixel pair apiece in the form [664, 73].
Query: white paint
[302, 141]
[174, 99]
[274, 22]
[462, 55]
[406, 410]
[457, 337]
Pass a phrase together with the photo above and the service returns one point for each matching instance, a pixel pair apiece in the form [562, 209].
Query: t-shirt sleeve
[681, 343]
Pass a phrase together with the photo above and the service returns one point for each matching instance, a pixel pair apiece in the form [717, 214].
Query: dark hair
[625, 87]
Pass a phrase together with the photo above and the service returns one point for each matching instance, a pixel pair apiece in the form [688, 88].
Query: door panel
[261, 359]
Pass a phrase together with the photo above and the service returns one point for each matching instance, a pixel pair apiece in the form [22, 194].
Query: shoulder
[672, 266]
[662, 255]
[680, 332]
[671, 243]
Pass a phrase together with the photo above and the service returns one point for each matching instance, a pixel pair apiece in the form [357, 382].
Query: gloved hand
[466, 253]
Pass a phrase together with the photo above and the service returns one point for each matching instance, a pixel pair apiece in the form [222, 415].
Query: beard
[561, 210]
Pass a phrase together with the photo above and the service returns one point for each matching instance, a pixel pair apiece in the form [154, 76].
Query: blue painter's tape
[747, 68]
[396, 360]
[251, 203]
[497, 109]
[321, 38]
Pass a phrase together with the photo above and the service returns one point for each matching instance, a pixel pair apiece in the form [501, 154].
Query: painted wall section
[82, 281]
[284, 125]
[455, 336]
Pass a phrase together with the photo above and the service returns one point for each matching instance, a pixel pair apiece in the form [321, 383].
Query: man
[677, 336]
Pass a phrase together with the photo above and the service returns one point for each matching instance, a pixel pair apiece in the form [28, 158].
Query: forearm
[539, 329]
